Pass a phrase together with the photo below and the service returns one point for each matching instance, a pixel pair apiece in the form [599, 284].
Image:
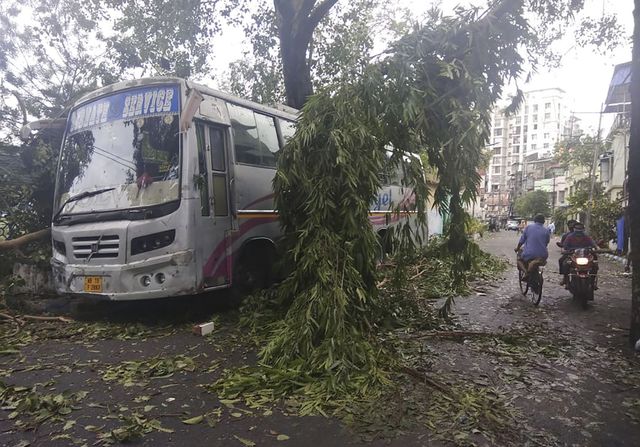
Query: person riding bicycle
[535, 239]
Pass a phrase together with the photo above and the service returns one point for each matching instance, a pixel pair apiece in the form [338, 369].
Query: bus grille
[101, 247]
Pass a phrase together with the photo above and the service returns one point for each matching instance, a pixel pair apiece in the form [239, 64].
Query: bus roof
[279, 110]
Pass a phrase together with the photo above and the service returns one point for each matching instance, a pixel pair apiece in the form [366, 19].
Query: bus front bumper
[156, 277]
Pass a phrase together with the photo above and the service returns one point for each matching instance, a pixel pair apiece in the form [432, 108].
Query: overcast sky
[583, 74]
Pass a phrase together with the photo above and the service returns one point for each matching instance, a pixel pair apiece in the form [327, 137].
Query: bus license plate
[93, 284]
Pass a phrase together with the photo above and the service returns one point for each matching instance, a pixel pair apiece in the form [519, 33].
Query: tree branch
[25, 239]
[319, 12]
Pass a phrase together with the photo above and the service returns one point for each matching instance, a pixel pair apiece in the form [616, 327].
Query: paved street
[565, 374]
[582, 394]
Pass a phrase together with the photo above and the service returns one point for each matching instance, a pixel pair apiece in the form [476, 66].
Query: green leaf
[194, 420]
[245, 442]
[282, 437]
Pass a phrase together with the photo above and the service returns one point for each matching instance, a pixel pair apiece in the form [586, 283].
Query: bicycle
[533, 284]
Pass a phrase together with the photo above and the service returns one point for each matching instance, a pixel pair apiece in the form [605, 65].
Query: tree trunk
[634, 178]
[297, 19]
[25, 239]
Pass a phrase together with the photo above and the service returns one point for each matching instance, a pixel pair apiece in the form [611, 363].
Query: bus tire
[253, 270]
[385, 245]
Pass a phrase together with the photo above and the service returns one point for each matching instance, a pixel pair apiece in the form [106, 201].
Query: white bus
[164, 188]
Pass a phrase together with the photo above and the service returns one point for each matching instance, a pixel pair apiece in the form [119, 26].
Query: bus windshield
[127, 157]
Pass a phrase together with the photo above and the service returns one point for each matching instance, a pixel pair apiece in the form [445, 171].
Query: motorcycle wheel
[583, 289]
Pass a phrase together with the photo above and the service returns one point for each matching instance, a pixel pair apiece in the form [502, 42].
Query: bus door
[212, 238]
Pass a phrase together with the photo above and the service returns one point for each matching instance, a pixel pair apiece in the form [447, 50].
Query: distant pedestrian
[522, 226]
[552, 228]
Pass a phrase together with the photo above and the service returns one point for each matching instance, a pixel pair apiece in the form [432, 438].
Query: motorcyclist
[575, 240]
[563, 257]
[578, 239]
[535, 239]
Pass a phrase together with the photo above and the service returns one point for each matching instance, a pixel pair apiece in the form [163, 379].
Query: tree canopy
[532, 203]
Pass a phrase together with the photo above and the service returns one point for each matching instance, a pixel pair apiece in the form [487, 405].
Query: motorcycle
[581, 267]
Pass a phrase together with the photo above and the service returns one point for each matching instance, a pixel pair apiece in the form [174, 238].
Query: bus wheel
[253, 271]
[385, 246]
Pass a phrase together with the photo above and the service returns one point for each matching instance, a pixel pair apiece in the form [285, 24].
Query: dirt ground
[137, 369]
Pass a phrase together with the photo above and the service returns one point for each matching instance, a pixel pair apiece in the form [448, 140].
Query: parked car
[512, 225]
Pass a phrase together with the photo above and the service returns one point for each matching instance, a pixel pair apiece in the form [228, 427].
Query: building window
[533, 146]
[535, 127]
[526, 109]
[547, 116]
[497, 132]
[534, 118]
[547, 105]
[494, 188]
[497, 150]
[517, 120]
[561, 196]
[546, 136]
[496, 169]
[534, 137]
[516, 149]
[535, 108]
[545, 146]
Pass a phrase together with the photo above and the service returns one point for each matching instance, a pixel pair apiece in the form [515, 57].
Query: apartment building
[529, 134]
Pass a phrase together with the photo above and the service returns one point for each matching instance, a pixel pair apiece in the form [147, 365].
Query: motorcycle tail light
[582, 261]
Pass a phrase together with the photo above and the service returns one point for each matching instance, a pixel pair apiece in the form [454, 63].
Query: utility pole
[592, 171]
[634, 178]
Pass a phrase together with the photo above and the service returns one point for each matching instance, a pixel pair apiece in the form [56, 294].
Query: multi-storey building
[527, 135]
[613, 163]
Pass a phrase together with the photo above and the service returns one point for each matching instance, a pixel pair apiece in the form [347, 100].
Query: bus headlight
[582, 261]
[152, 241]
[145, 280]
[60, 247]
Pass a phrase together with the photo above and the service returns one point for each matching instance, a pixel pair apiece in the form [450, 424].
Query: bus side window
[245, 135]
[269, 145]
[202, 179]
[288, 129]
[255, 138]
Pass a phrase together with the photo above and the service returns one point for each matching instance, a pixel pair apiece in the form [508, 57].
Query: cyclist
[535, 239]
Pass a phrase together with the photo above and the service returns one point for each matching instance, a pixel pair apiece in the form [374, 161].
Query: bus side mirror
[190, 109]
[52, 125]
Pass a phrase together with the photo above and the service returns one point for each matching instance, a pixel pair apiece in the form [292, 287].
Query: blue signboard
[126, 105]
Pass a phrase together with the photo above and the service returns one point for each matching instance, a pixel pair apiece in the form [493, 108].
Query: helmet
[539, 218]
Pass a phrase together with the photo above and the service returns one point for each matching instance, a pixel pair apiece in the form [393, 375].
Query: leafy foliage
[135, 372]
[604, 211]
[532, 203]
[29, 406]
[576, 152]
[433, 92]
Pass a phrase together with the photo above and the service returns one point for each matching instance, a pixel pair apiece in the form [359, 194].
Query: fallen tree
[17, 243]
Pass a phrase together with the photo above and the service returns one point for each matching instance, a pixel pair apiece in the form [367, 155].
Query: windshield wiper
[82, 195]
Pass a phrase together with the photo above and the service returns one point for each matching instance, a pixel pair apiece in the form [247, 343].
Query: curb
[616, 258]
